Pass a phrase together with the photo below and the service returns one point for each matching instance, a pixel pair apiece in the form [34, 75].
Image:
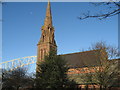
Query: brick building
[47, 43]
[81, 60]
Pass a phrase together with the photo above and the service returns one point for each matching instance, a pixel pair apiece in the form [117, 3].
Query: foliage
[52, 72]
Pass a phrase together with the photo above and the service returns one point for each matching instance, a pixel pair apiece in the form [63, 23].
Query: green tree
[52, 72]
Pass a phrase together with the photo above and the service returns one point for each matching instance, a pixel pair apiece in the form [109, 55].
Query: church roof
[82, 59]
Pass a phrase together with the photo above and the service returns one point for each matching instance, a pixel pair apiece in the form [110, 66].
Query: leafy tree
[52, 72]
[15, 79]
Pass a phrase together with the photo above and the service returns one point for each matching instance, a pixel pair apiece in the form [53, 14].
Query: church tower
[47, 42]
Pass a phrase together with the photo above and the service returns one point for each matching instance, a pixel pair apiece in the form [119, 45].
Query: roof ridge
[78, 52]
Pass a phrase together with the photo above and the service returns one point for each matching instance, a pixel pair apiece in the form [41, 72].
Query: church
[80, 60]
[47, 43]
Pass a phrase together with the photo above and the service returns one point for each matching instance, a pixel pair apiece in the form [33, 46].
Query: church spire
[48, 18]
[47, 41]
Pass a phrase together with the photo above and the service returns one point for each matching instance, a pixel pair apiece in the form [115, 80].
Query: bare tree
[112, 9]
[111, 52]
[15, 79]
[106, 73]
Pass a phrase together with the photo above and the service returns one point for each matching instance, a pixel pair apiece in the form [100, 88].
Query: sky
[22, 22]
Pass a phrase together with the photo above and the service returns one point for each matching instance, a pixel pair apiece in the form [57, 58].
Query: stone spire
[48, 18]
[47, 29]
[47, 42]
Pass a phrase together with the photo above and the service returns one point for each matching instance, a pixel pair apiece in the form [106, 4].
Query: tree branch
[102, 16]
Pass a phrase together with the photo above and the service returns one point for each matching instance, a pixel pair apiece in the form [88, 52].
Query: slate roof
[82, 59]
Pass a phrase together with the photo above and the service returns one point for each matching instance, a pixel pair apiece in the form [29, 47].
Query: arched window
[45, 52]
[43, 38]
[41, 54]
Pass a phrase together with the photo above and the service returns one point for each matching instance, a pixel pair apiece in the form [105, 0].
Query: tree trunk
[100, 87]
[105, 88]
[93, 87]
[86, 87]
[109, 88]
[17, 87]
